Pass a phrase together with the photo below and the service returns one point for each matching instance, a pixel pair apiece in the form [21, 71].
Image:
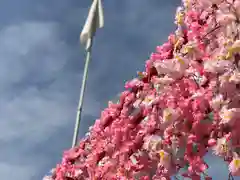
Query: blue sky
[41, 68]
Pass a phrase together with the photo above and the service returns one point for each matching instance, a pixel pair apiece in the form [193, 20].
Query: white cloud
[36, 93]
[38, 90]
[30, 49]
[10, 171]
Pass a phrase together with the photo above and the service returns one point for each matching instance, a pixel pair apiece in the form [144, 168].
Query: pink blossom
[225, 19]
[223, 147]
[234, 166]
[186, 102]
[217, 66]
[169, 116]
[153, 144]
[237, 7]
[174, 68]
[164, 67]
[165, 159]
[166, 80]
[229, 115]
[235, 77]
[212, 142]
[217, 102]
[133, 83]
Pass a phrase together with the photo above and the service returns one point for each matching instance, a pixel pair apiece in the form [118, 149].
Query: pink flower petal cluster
[186, 103]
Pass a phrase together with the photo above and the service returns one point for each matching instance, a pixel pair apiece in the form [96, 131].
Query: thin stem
[83, 87]
[212, 30]
[230, 176]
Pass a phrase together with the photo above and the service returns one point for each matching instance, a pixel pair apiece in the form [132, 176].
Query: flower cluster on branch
[185, 104]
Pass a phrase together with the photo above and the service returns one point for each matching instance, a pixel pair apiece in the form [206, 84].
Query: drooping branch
[185, 103]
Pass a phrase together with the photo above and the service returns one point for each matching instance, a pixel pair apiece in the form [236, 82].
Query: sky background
[41, 65]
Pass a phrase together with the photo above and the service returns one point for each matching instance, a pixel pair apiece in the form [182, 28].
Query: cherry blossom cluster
[186, 103]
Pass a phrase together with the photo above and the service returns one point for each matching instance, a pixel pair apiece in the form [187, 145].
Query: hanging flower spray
[186, 103]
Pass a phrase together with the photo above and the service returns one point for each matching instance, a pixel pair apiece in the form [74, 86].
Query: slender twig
[230, 176]
[211, 31]
[175, 177]
[83, 87]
